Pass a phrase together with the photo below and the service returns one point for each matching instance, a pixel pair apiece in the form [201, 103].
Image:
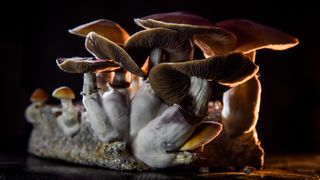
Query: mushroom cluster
[149, 91]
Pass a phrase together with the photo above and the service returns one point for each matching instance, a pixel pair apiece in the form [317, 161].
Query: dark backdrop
[33, 35]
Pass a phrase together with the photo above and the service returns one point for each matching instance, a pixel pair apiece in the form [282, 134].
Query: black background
[34, 35]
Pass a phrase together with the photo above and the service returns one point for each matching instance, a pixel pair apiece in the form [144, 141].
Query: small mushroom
[68, 120]
[205, 132]
[202, 32]
[33, 112]
[156, 143]
[173, 82]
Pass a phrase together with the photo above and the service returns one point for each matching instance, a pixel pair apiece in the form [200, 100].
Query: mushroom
[92, 100]
[116, 103]
[68, 120]
[155, 144]
[187, 84]
[33, 112]
[201, 31]
[241, 103]
[107, 124]
[109, 30]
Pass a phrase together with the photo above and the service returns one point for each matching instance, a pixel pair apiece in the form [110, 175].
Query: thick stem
[89, 84]
[122, 79]
[241, 107]
[155, 57]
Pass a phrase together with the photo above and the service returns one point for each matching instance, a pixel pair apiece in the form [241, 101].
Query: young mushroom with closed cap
[68, 120]
[33, 112]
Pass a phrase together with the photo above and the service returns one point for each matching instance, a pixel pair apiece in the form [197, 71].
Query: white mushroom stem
[155, 57]
[135, 85]
[89, 83]
[200, 91]
[116, 103]
[163, 134]
[145, 106]
[97, 117]
[33, 113]
[241, 106]
[68, 120]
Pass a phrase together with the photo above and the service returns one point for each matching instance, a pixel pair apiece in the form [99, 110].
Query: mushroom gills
[103, 48]
[176, 83]
[85, 65]
[164, 45]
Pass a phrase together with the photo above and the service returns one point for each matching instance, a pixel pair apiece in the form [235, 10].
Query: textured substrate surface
[48, 140]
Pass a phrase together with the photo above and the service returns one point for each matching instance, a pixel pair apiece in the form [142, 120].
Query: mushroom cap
[171, 81]
[175, 47]
[85, 65]
[179, 17]
[103, 27]
[103, 48]
[209, 38]
[39, 95]
[204, 133]
[63, 92]
[253, 36]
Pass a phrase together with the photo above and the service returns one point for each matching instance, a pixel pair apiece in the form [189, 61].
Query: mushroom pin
[33, 112]
[68, 120]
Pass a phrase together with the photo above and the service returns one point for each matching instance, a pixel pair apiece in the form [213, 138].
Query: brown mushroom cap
[103, 48]
[63, 92]
[253, 36]
[39, 95]
[209, 38]
[85, 65]
[171, 81]
[179, 17]
[103, 27]
[175, 46]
